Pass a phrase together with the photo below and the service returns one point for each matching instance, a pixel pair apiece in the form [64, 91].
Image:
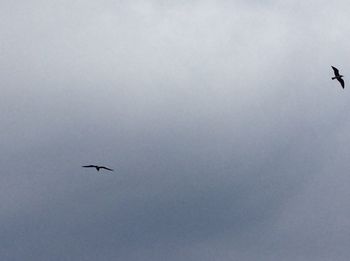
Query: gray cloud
[227, 135]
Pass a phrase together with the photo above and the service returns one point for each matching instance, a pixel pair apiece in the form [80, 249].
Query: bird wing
[341, 82]
[336, 71]
[89, 166]
[106, 168]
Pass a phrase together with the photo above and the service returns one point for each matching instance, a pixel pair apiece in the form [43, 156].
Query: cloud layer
[228, 137]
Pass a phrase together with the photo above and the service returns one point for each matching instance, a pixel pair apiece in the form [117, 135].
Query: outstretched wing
[341, 82]
[336, 71]
[89, 166]
[106, 168]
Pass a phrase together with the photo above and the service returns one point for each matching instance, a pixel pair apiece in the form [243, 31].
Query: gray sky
[228, 137]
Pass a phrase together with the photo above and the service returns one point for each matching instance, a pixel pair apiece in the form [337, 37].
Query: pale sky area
[228, 138]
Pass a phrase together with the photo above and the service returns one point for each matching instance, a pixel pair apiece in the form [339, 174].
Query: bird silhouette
[97, 167]
[338, 76]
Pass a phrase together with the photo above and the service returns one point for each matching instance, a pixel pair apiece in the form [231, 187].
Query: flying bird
[97, 167]
[338, 76]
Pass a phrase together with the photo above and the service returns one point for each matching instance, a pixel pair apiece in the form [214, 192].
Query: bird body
[97, 167]
[338, 76]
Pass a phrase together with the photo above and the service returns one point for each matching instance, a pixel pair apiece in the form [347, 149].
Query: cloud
[226, 132]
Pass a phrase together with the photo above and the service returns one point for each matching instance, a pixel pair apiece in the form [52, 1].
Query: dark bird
[338, 76]
[97, 167]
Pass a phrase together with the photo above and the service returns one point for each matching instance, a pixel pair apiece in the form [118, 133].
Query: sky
[226, 133]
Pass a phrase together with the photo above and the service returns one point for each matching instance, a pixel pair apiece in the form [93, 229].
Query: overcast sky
[228, 137]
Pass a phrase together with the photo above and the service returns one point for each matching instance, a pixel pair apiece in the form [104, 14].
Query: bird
[97, 167]
[338, 76]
